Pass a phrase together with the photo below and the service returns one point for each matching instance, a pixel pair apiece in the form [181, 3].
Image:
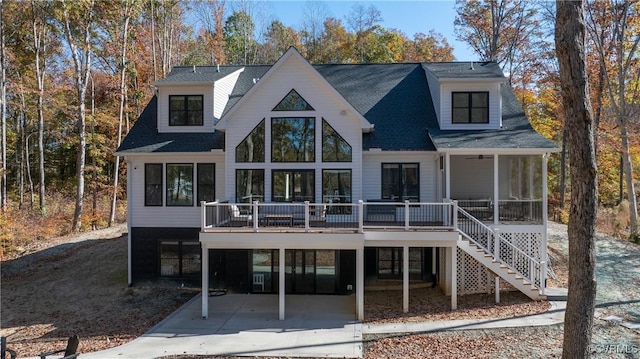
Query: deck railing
[509, 211]
[520, 210]
[360, 216]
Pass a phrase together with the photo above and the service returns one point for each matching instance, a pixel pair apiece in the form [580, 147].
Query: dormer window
[185, 110]
[470, 107]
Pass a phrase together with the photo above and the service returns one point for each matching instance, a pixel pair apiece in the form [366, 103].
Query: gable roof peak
[291, 53]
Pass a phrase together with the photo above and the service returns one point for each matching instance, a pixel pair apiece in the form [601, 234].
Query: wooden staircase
[500, 269]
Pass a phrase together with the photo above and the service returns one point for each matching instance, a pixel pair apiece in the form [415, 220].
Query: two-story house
[320, 179]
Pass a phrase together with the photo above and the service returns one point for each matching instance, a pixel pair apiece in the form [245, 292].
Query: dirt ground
[56, 291]
[78, 285]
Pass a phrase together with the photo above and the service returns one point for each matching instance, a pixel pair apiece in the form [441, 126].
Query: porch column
[531, 182]
[454, 278]
[405, 279]
[496, 190]
[447, 175]
[433, 262]
[205, 281]
[360, 283]
[282, 285]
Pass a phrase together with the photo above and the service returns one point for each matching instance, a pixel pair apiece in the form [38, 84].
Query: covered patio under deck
[284, 241]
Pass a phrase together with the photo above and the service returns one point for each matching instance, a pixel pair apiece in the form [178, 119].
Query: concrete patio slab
[248, 325]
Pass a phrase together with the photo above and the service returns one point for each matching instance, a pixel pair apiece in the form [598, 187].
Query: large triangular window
[334, 147]
[251, 149]
[293, 102]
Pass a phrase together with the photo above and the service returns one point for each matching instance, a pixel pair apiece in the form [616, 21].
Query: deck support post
[496, 190]
[454, 279]
[205, 281]
[405, 279]
[497, 290]
[545, 215]
[281, 285]
[360, 283]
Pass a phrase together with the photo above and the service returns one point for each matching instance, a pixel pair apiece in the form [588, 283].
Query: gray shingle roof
[144, 137]
[245, 83]
[393, 97]
[202, 74]
[462, 70]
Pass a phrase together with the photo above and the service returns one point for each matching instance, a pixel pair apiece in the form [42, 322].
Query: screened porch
[498, 189]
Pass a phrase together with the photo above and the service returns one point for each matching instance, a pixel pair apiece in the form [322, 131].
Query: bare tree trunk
[25, 165]
[621, 45]
[82, 68]
[628, 174]
[153, 40]
[121, 114]
[28, 167]
[570, 48]
[3, 111]
[94, 199]
[20, 157]
[39, 47]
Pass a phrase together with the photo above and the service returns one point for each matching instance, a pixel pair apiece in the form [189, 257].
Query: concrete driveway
[248, 325]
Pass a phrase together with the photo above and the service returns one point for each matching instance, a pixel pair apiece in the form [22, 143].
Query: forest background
[76, 75]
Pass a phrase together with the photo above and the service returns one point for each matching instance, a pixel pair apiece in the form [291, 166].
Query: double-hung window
[401, 181]
[186, 110]
[470, 107]
[153, 184]
[206, 182]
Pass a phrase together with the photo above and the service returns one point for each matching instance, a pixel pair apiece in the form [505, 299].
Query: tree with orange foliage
[614, 27]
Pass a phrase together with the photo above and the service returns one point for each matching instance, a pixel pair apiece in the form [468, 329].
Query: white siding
[221, 91]
[434, 89]
[300, 76]
[471, 178]
[144, 216]
[372, 172]
[495, 105]
[163, 107]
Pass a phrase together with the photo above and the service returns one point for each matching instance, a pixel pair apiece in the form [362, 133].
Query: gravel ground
[618, 294]
[78, 285]
[430, 305]
[617, 272]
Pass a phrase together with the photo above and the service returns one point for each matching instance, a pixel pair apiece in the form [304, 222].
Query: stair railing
[502, 250]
